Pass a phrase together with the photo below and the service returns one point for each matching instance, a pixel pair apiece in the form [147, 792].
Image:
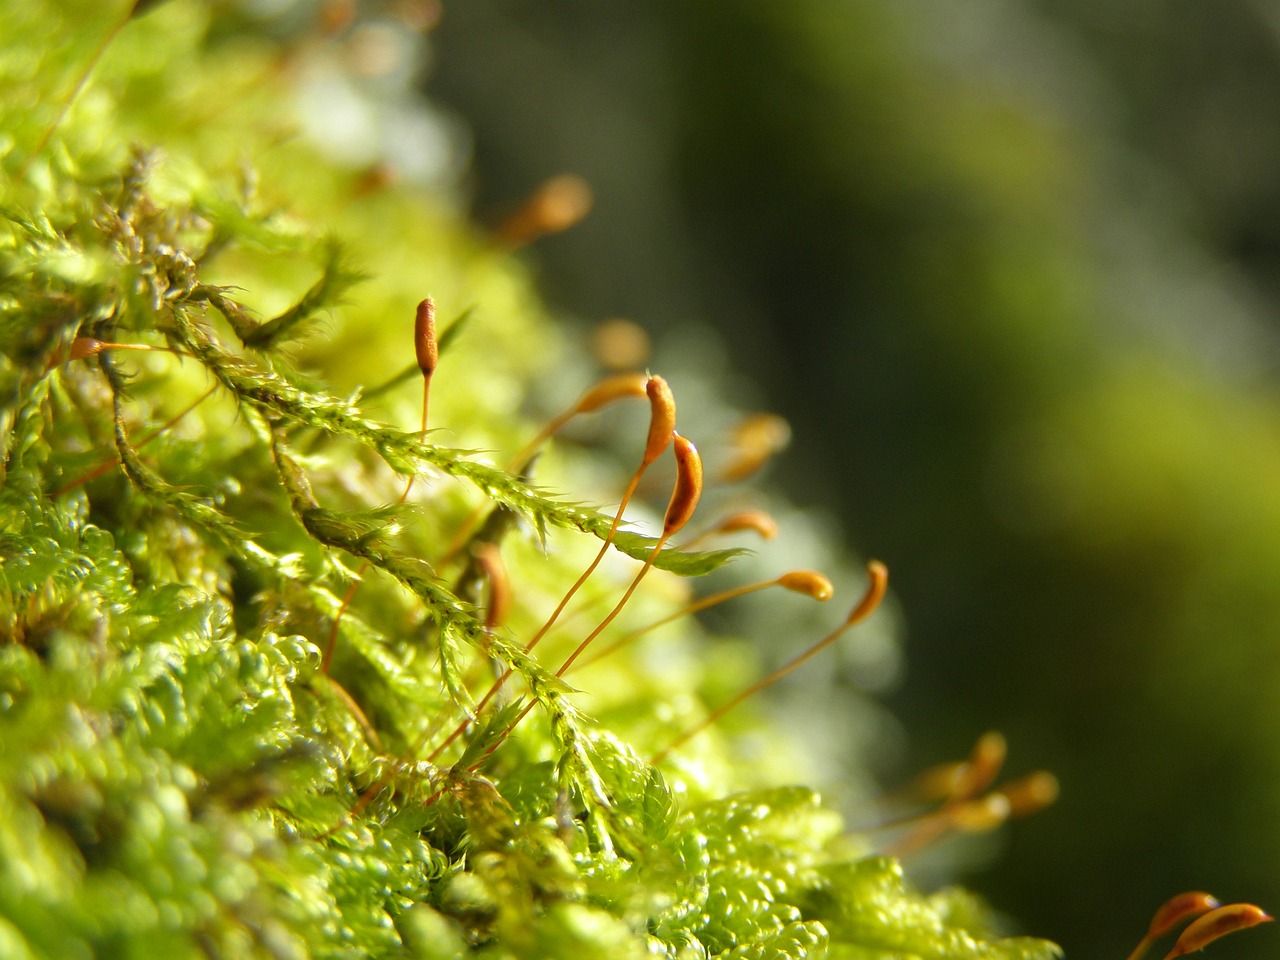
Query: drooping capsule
[809, 582]
[662, 419]
[688, 488]
[1217, 923]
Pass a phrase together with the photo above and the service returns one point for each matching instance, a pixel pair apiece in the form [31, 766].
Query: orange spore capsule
[808, 582]
[688, 488]
[983, 766]
[756, 439]
[555, 206]
[1178, 910]
[620, 344]
[878, 575]
[662, 419]
[982, 815]
[1031, 794]
[82, 347]
[424, 337]
[939, 782]
[1217, 923]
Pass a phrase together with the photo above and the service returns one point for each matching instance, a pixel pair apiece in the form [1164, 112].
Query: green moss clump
[178, 775]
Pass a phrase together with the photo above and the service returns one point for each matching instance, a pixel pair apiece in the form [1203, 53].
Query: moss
[179, 777]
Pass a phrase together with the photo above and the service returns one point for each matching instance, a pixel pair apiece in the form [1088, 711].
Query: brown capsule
[82, 347]
[981, 815]
[1178, 910]
[662, 419]
[808, 582]
[688, 488]
[374, 179]
[620, 344]
[424, 337]
[1031, 794]
[755, 439]
[561, 202]
[876, 588]
[1217, 923]
[756, 521]
[939, 782]
[556, 205]
[619, 386]
[983, 766]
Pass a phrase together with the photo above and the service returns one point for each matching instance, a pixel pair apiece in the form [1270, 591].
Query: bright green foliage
[178, 776]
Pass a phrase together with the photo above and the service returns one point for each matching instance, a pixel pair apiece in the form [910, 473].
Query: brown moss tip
[1217, 923]
[876, 589]
[1030, 794]
[424, 337]
[1179, 909]
[556, 205]
[662, 418]
[561, 201]
[82, 347]
[688, 488]
[986, 759]
[755, 440]
[620, 344]
[809, 582]
[981, 815]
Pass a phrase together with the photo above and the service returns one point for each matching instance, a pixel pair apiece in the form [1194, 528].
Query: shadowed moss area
[182, 528]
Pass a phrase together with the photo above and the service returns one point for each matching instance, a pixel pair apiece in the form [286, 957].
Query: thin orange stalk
[966, 783]
[1175, 910]
[427, 351]
[619, 386]
[108, 465]
[684, 500]
[616, 387]
[1217, 923]
[661, 431]
[757, 521]
[812, 584]
[864, 608]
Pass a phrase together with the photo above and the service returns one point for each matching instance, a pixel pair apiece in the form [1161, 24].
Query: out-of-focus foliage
[179, 777]
[1010, 268]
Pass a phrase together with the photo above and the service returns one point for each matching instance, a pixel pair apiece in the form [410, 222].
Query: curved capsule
[688, 488]
[1217, 923]
[662, 419]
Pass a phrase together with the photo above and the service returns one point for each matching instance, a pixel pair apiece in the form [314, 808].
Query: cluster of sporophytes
[278, 678]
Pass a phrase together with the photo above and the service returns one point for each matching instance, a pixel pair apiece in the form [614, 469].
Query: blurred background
[1009, 268]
